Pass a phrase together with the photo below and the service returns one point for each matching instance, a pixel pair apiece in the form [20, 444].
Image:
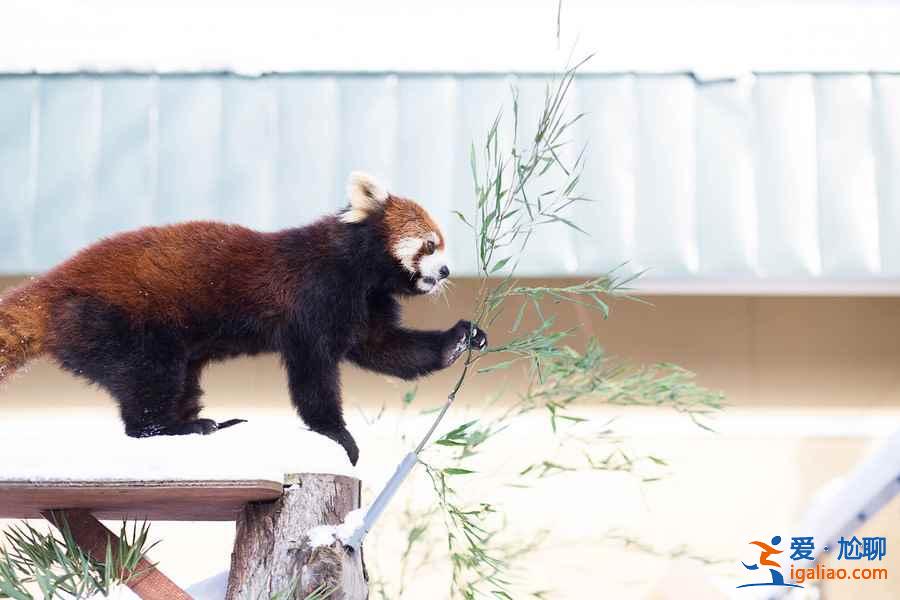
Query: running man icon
[764, 560]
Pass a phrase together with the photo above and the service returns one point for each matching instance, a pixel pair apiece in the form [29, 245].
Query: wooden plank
[139, 500]
[147, 582]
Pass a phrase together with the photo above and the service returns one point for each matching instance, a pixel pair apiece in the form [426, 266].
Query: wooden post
[272, 553]
[93, 537]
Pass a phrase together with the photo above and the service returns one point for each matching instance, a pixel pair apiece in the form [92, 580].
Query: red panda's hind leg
[148, 401]
[189, 405]
[167, 405]
[164, 407]
[144, 367]
[168, 401]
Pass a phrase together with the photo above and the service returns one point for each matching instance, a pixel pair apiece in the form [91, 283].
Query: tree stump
[272, 553]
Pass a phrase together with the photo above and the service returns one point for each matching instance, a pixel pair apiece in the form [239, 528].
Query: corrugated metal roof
[767, 183]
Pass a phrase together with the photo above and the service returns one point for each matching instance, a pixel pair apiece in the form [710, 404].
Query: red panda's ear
[366, 197]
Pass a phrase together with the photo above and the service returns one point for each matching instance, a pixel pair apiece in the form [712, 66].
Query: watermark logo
[806, 565]
[765, 560]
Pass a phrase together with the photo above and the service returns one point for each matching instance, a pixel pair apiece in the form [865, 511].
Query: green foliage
[513, 204]
[320, 593]
[680, 552]
[55, 567]
[37, 565]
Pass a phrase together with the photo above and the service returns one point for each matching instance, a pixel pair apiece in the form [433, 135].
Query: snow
[325, 535]
[265, 448]
[209, 589]
[321, 536]
[498, 36]
[124, 593]
[212, 588]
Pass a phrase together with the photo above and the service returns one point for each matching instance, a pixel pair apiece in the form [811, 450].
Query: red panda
[142, 313]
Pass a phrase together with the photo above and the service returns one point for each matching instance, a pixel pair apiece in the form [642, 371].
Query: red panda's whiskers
[443, 294]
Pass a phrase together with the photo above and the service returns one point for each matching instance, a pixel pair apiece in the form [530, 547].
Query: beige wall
[762, 351]
[776, 358]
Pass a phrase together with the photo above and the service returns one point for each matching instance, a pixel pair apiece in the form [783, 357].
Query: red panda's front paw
[343, 437]
[477, 338]
[464, 335]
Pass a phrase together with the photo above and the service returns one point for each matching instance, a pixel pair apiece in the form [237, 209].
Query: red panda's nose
[444, 272]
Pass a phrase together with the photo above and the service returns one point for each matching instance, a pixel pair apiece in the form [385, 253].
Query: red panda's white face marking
[424, 258]
[413, 237]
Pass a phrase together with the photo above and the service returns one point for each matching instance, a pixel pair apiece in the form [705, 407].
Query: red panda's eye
[429, 247]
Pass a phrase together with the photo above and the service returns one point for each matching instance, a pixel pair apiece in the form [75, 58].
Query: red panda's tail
[23, 326]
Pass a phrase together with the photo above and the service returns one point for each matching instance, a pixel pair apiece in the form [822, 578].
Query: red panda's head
[413, 238]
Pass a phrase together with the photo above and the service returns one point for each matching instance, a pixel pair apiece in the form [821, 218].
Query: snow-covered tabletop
[88, 462]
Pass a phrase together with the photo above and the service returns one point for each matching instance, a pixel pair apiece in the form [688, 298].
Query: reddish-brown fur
[23, 327]
[157, 274]
[142, 313]
[162, 273]
[404, 218]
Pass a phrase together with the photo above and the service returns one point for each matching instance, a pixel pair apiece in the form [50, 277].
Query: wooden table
[136, 500]
[272, 549]
[81, 503]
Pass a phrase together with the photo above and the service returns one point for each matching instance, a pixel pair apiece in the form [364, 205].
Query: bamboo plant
[522, 187]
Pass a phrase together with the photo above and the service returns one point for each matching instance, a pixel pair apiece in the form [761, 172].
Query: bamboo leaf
[519, 316]
[463, 218]
[500, 264]
[457, 471]
[409, 396]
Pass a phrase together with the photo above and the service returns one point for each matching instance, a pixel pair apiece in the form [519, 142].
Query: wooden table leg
[92, 536]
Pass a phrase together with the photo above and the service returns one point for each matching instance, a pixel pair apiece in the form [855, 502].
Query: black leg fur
[144, 368]
[408, 354]
[401, 352]
[189, 406]
[315, 391]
